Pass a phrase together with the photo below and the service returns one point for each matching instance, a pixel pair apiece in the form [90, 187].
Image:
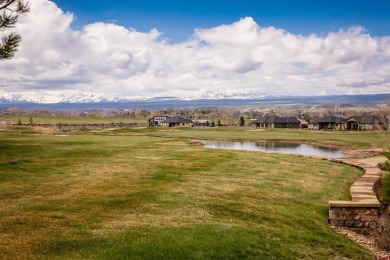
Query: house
[292, 122]
[277, 122]
[328, 122]
[156, 120]
[304, 123]
[5, 122]
[367, 123]
[201, 122]
[177, 121]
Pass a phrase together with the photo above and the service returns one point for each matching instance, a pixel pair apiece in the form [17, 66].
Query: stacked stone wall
[361, 218]
[362, 213]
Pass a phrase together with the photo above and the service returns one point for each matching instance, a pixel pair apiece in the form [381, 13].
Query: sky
[155, 48]
[177, 18]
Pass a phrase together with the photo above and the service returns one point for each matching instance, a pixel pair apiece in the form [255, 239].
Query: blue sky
[198, 48]
[178, 18]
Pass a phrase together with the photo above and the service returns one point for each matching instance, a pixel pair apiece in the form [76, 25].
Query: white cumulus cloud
[107, 58]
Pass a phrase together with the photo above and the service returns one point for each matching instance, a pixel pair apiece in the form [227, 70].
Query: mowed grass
[114, 196]
[353, 139]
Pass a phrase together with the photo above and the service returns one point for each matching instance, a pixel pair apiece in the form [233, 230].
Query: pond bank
[360, 215]
[280, 147]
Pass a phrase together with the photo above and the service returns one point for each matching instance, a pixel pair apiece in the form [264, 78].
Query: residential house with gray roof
[367, 122]
[277, 122]
[327, 122]
[177, 121]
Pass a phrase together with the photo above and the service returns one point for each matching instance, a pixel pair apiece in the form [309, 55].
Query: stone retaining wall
[361, 218]
[362, 213]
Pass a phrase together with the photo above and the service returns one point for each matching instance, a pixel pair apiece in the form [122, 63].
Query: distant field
[129, 194]
[72, 120]
[89, 120]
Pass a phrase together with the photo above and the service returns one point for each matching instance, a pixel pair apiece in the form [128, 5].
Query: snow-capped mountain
[224, 95]
[48, 97]
[78, 97]
[57, 97]
[200, 99]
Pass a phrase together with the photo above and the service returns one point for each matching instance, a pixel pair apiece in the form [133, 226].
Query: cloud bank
[240, 57]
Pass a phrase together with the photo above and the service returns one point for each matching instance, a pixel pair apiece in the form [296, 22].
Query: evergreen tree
[19, 122]
[9, 14]
[242, 121]
[219, 122]
[212, 124]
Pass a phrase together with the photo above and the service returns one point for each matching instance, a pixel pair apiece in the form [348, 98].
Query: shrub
[385, 181]
[382, 236]
[385, 188]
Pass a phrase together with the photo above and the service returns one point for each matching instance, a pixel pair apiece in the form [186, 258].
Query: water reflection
[278, 147]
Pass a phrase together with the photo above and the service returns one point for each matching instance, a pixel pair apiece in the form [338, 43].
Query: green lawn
[129, 194]
[356, 139]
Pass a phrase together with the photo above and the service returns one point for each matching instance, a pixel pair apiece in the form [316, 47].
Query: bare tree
[383, 124]
[9, 14]
[381, 235]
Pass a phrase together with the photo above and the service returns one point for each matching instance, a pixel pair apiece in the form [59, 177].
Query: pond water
[278, 147]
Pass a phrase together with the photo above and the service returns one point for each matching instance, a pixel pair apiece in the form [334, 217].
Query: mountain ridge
[77, 97]
[89, 97]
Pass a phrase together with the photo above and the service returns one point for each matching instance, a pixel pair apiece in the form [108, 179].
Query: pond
[278, 147]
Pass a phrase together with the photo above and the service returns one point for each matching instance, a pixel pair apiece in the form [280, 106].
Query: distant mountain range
[87, 97]
[75, 99]
[56, 97]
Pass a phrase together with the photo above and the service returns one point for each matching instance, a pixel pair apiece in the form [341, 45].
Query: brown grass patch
[44, 130]
[174, 143]
[170, 130]
[255, 130]
[153, 215]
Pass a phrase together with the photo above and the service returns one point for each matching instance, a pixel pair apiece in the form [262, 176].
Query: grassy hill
[134, 193]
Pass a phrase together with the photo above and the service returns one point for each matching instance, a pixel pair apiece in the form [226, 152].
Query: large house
[328, 122]
[156, 120]
[277, 122]
[177, 121]
[366, 123]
